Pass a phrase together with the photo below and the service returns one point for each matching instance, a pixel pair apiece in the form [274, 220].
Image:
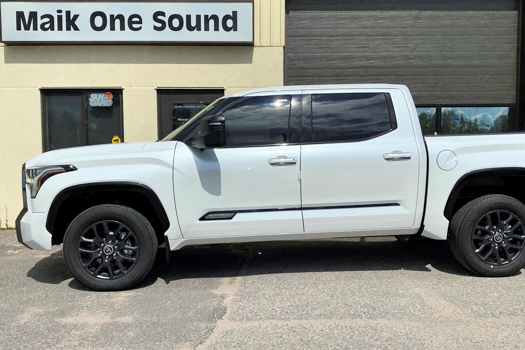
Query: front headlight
[35, 177]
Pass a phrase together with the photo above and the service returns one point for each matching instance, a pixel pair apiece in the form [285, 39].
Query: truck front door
[249, 187]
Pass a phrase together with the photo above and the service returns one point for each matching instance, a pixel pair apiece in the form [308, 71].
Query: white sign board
[126, 22]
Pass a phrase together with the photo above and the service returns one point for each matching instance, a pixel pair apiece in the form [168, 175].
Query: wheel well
[509, 182]
[74, 200]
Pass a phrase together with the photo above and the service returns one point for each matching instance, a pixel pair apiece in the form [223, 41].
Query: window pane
[64, 119]
[467, 120]
[427, 119]
[212, 108]
[103, 122]
[182, 112]
[258, 121]
[349, 117]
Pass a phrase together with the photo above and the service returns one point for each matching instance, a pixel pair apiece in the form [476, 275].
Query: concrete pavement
[326, 294]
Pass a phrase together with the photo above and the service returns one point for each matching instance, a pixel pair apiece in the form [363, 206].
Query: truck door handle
[282, 160]
[397, 155]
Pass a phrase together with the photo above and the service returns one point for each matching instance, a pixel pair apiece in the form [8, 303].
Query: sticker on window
[101, 99]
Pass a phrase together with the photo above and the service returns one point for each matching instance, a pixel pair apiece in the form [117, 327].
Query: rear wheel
[487, 235]
[110, 247]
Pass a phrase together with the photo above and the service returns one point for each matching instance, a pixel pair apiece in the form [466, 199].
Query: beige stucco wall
[20, 139]
[269, 21]
[138, 70]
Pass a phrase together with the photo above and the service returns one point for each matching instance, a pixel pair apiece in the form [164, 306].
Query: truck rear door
[360, 166]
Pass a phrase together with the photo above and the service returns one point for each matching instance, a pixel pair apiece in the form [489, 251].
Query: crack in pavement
[226, 290]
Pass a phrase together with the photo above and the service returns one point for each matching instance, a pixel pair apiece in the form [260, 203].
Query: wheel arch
[482, 182]
[72, 200]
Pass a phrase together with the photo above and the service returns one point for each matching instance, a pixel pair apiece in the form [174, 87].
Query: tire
[110, 247]
[487, 236]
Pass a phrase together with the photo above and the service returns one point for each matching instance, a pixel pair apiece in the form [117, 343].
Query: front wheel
[110, 247]
[487, 235]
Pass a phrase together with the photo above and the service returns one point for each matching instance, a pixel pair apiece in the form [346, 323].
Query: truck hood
[109, 153]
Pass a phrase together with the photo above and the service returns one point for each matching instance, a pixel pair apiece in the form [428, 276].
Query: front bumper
[31, 230]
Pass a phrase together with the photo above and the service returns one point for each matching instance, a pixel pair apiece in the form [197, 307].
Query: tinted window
[103, 123]
[349, 117]
[258, 121]
[213, 108]
[182, 112]
[427, 119]
[81, 117]
[473, 120]
[64, 119]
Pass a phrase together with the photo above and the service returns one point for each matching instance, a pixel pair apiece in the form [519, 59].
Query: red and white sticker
[101, 99]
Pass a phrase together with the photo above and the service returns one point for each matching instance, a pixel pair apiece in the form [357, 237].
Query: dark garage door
[446, 51]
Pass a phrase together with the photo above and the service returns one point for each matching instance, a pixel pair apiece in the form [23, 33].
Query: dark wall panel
[402, 5]
[443, 56]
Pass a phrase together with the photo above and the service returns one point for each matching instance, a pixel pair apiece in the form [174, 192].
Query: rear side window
[350, 117]
[258, 121]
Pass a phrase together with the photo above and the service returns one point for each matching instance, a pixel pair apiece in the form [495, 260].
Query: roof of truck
[319, 87]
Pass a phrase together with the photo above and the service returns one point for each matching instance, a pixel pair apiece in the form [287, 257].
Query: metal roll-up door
[446, 52]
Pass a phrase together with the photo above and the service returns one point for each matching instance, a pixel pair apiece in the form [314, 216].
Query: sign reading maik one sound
[126, 22]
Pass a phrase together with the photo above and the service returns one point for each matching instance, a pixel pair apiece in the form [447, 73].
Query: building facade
[119, 82]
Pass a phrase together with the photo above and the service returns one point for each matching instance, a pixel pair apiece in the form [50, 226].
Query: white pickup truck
[284, 163]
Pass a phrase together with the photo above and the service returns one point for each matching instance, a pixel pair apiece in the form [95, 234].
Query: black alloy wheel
[498, 237]
[108, 249]
[487, 235]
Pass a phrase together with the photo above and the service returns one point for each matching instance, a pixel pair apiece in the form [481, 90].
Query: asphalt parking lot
[329, 294]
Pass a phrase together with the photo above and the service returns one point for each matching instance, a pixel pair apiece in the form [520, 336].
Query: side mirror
[212, 134]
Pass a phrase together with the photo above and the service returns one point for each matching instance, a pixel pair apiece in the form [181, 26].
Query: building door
[177, 106]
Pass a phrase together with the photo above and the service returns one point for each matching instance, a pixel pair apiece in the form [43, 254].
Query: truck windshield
[212, 107]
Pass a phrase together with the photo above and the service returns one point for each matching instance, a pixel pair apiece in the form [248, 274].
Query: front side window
[258, 121]
[81, 117]
[349, 117]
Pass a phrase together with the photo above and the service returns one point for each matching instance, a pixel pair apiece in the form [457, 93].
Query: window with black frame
[258, 121]
[81, 117]
[471, 120]
[427, 119]
[349, 117]
[465, 119]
